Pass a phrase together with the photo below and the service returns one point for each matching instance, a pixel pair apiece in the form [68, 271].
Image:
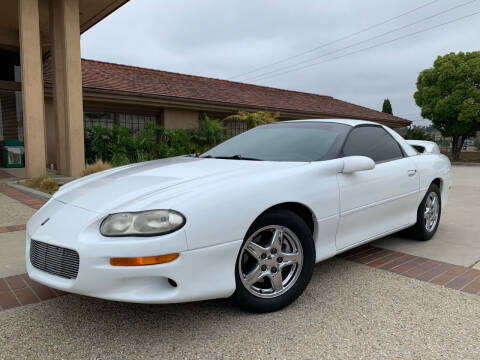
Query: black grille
[54, 260]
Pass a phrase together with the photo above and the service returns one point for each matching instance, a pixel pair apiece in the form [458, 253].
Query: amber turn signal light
[141, 261]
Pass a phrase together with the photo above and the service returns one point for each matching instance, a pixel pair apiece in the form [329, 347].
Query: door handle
[412, 172]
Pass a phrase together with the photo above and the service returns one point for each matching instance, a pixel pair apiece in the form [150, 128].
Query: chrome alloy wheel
[432, 209]
[270, 261]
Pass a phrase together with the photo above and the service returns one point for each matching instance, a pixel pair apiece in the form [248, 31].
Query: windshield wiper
[233, 157]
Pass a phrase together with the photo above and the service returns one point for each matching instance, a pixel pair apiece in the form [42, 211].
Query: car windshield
[288, 141]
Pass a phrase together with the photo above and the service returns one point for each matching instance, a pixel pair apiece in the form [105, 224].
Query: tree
[387, 107]
[254, 119]
[476, 141]
[449, 95]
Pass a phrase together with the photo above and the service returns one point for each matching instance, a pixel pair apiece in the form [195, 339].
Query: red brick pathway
[11, 228]
[28, 200]
[20, 290]
[436, 272]
[5, 175]
[15, 194]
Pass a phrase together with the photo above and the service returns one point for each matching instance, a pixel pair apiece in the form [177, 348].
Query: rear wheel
[428, 215]
[275, 262]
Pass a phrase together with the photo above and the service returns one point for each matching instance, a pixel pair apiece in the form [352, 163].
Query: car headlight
[142, 223]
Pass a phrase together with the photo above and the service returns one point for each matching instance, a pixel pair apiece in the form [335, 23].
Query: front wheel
[428, 215]
[275, 262]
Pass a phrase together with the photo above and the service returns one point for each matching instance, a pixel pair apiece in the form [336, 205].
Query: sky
[225, 39]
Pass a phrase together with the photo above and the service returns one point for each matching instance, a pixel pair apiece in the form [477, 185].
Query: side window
[373, 142]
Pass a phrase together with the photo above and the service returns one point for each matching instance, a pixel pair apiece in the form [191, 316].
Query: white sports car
[249, 218]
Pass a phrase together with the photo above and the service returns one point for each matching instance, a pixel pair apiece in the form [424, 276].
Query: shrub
[44, 183]
[120, 145]
[97, 166]
[210, 132]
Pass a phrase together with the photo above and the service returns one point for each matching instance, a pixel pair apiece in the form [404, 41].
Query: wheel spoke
[429, 202]
[288, 259]
[254, 276]
[277, 240]
[277, 281]
[431, 212]
[255, 250]
[427, 215]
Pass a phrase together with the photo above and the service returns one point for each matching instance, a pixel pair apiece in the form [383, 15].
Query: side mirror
[352, 164]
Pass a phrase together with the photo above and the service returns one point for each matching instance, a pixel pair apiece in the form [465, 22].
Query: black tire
[291, 222]
[419, 230]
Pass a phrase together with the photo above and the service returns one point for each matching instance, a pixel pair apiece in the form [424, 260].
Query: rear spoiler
[426, 146]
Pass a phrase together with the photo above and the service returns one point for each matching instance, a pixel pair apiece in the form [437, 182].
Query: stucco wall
[180, 119]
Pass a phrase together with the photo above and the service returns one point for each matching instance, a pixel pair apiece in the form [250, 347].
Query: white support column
[32, 88]
[68, 98]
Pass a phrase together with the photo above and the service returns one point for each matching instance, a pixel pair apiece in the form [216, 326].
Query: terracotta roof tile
[102, 76]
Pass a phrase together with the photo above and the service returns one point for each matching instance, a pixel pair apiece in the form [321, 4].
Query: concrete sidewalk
[12, 254]
[11, 174]
[457, 240]
[13, 212]
[12, 243]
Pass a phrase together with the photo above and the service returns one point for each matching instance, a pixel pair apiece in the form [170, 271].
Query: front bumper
[199, 274]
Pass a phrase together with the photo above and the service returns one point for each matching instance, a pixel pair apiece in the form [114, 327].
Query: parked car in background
[248, 219]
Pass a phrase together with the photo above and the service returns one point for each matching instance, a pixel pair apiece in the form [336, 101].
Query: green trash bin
[13, 154]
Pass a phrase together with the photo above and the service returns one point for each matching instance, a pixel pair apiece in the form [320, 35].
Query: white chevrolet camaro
[248, 219]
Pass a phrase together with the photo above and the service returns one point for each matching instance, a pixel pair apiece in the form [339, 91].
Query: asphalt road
[349, 311]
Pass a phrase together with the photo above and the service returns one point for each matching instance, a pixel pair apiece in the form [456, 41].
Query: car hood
[113, 188]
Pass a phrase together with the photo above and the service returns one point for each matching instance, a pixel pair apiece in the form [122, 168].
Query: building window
[10, 116]
[11, 112]
[102, 119]
[234, 127]
[134, 121]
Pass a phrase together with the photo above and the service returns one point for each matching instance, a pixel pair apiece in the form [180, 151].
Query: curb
[30, 191]
[436, 272]
[462, 163]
